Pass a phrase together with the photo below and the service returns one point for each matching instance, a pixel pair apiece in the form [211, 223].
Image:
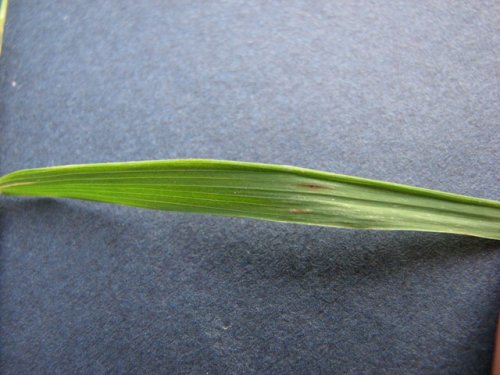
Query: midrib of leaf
[262, 191]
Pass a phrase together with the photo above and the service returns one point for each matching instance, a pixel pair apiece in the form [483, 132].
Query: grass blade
[262, 191]
[3, 17]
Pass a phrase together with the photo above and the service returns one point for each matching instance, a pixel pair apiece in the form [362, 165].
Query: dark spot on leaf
[313, 186]
[299, 211]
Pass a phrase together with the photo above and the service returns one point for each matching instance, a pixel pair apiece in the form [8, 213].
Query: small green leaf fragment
[3, 17]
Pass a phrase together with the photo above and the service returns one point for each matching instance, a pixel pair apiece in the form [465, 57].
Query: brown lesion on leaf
[300, 211]
[313, 186]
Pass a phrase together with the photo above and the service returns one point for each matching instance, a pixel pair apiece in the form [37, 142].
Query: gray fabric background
[404, 91]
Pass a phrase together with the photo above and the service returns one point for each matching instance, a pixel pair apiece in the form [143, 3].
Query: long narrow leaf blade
[262, 191]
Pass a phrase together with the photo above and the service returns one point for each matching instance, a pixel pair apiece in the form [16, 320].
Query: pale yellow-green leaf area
[3, 17]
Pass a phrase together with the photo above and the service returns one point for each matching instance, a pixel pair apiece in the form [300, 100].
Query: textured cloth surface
[404, 91]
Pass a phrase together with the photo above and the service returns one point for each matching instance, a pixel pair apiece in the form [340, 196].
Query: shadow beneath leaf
[275, 250]
[234, 246]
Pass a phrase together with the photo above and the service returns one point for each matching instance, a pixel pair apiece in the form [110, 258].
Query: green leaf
[262, 191]
[3, 17]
